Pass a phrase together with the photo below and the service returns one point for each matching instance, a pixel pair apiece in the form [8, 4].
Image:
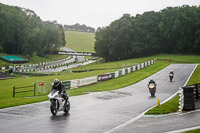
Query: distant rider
[58, 86]
[171, 72]
[152, 82]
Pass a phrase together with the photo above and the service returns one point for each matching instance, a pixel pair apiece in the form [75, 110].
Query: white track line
[184, 130]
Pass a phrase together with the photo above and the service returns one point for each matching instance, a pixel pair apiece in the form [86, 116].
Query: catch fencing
[39, 88]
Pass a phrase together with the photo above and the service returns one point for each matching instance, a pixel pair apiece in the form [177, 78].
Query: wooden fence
[18, 88]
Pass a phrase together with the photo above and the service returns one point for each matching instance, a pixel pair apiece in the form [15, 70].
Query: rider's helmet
[171, 71]
[56, 81]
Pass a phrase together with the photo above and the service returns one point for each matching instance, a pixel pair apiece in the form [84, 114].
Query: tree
[172, 30]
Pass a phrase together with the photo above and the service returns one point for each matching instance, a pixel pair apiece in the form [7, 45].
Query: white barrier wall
[138, 67]
[123, 71]
[85, 81]
[152, 62]
[145, 64]
[129, 69]
[116, 74]
[149, 63]
[74, 83]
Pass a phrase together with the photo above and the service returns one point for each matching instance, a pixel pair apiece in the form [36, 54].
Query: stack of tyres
[188, 92]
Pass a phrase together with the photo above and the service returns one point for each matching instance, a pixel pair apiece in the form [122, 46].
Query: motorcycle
[171, 76]
[58, 103]
[152, 89]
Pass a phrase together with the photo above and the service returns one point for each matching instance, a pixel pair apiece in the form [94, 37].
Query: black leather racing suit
[61, 90]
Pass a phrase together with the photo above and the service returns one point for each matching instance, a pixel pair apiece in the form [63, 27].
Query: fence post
[34, 88]
[13, 91]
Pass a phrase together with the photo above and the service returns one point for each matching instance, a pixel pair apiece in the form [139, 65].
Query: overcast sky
[94, 13]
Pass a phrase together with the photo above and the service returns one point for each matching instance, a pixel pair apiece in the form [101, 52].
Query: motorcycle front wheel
[53, 107]
[67, 107]
[152, 94]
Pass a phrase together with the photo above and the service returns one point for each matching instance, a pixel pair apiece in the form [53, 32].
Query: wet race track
[96, 112]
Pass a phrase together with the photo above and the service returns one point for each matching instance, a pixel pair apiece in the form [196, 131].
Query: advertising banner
[104, 77]
[66, 84]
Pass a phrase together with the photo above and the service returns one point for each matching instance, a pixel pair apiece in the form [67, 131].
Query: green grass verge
[193, 131]
[168, 107]
[178, 58]
[172, 105]
[80, 41]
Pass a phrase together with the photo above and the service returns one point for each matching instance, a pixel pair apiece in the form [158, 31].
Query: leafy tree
[146, 40]
[172, 30]
[23, 32]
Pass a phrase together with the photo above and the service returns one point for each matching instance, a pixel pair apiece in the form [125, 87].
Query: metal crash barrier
[188, 97]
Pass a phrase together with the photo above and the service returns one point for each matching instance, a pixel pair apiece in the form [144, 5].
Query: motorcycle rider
[58, 86]
[152, 82]
[171, 72]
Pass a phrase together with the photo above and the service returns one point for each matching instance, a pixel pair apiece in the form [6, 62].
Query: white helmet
[56, 81]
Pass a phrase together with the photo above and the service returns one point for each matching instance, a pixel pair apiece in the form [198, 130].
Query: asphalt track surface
[102, 111]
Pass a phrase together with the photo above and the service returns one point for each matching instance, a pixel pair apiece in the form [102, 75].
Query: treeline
[78, 27]
[22, 32]
[174, 30]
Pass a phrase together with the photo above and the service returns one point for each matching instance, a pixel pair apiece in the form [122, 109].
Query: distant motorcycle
[58, 103]
[171, 76]
[152, 89]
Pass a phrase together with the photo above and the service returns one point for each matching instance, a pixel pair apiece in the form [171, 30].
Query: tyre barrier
[188, 95]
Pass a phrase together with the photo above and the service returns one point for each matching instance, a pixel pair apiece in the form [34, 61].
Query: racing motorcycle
[152, 89]
[171, 76]
[58, 103]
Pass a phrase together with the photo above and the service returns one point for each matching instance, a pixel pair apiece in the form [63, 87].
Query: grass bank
[80, 41]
